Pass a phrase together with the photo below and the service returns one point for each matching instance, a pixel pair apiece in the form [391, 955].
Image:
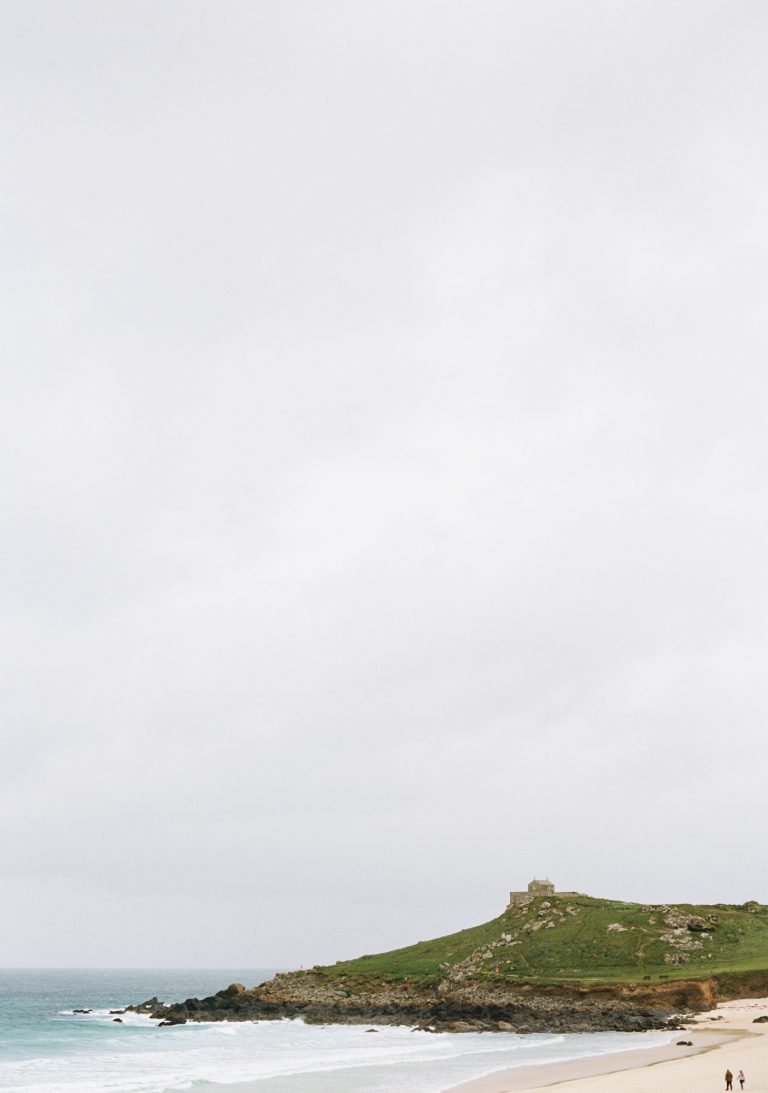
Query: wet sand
[730, 1041]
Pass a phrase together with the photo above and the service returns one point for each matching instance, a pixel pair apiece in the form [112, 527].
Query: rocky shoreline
[486, 1005]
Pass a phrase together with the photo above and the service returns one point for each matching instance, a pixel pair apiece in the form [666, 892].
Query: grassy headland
[565, 963]
[581, 940]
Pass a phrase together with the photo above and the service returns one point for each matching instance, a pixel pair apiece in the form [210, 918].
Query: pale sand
[733, 1042]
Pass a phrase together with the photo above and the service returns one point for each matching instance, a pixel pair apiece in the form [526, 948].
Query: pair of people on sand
[729, 1079]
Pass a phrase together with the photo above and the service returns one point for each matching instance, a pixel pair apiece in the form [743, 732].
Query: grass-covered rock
[549, 963]
[578, 939]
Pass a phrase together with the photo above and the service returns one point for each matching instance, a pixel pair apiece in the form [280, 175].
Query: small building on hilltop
[541, 888]
[535, 888]
[538, 888]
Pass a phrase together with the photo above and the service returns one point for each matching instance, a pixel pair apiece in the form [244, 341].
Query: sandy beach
[723, 1038]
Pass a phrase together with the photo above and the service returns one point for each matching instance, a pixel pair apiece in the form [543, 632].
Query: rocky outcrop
[469, 1005]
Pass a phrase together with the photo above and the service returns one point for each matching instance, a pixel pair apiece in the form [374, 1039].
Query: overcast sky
[383, 474]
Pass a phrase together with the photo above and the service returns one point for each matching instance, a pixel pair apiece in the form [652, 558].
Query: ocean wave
[138, 1057]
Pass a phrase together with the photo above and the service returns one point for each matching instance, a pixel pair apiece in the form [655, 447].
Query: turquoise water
[46, 1048]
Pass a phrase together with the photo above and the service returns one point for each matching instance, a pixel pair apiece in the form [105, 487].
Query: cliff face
[318, 998]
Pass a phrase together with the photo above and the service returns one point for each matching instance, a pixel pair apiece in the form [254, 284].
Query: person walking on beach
[742, 1079]
[728, 1080]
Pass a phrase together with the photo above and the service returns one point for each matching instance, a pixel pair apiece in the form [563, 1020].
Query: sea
[47, 1048]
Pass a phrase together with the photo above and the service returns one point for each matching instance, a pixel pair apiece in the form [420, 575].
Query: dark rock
[117, 1020]
[82, 1011]
[117, 1011]
[467, 1005]
[761, 1020]
[459, 1026]
[684, 1043]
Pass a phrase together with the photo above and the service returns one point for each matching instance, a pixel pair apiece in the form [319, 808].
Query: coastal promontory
[550, 962]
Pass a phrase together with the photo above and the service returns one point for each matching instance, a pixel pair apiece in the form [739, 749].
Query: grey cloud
[381, 446]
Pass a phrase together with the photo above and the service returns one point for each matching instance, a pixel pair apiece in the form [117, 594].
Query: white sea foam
[137, 1057]
[103, 1016]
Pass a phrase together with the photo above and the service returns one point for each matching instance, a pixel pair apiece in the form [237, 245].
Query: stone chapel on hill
[537, 888]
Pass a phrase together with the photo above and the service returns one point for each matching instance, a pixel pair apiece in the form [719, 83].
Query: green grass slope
[578, 939]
